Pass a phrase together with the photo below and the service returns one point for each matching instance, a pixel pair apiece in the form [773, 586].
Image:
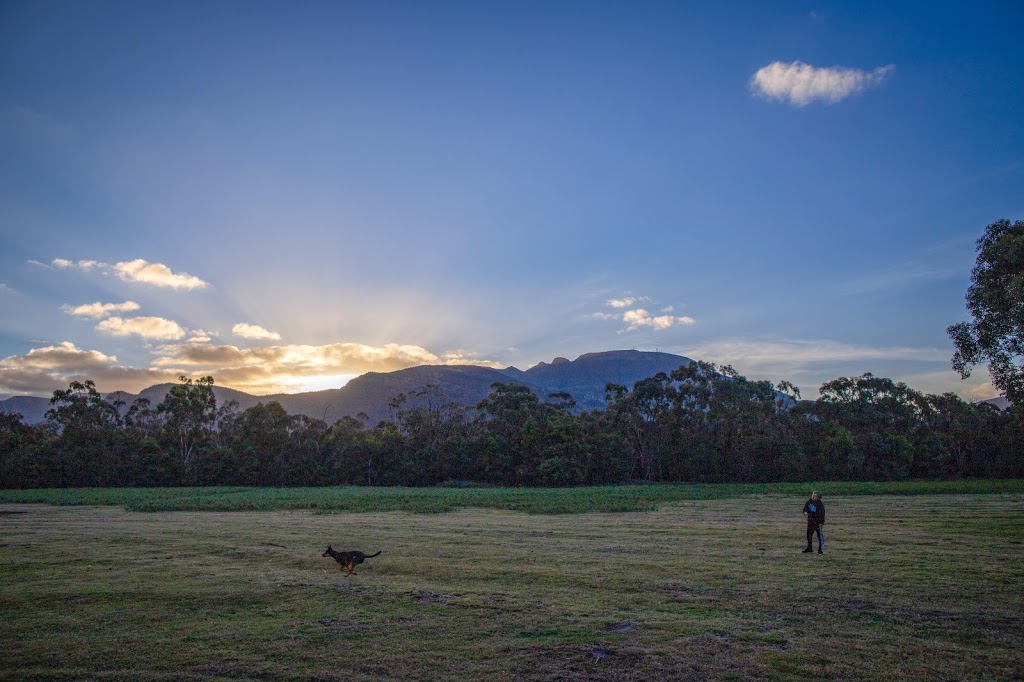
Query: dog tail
[370, 556]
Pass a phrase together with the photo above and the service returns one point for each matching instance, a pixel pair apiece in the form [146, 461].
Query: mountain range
[584, 378]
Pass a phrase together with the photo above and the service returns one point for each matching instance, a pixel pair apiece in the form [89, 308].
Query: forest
[699, 424]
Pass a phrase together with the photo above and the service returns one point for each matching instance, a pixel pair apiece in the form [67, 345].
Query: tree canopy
[700, 423]
[995, 300]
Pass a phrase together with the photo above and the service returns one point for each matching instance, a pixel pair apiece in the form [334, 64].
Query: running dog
[348, 560]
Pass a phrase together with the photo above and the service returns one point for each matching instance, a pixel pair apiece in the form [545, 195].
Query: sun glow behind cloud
[628, 178]
[261, 370]
[325, 382]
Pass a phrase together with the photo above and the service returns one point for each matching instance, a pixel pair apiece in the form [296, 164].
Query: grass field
[623, 498]
[701, 585]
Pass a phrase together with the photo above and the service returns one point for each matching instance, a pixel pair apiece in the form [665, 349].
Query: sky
[285, 195]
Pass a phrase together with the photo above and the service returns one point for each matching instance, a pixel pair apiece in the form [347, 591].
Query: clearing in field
[910, 588]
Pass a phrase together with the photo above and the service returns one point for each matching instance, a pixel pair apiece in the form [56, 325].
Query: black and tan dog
[348, 560]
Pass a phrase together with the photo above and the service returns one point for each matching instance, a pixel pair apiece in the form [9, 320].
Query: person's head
[816, 495]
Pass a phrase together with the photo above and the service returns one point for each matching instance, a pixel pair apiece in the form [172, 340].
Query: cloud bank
[260, 371]
[802, 83]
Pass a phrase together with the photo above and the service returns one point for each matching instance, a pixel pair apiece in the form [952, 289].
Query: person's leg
[821, 541]
[810, 535]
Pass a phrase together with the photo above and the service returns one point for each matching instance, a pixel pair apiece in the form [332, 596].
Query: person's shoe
[821, 551]
[807, 551]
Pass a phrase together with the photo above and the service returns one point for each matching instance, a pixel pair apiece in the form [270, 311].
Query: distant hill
[584, 378]
[1001, 402]
[32, 409]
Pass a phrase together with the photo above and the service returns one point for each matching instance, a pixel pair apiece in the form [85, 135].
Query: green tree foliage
[23, 453]
[699, 423]
[880, 414]
[708, 423]
[87, 427]
[266, 446]
[995, 300]
[190, 412]
[434, 432]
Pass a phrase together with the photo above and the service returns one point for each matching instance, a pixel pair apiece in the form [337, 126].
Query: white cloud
[253, 331]
[61, 356]
[146, 327]
[98, 310]
[156, 274]
[639, 317]
[802, 83]
[138, 270]
[84, 265]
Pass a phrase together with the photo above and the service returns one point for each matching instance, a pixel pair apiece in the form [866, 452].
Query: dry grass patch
[910, 588]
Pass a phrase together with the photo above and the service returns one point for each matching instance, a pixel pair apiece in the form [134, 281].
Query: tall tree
[881, 415]
[995, 300]
[190, 410]
[87, 426]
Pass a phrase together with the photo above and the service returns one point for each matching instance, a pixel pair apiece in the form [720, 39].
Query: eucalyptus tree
[957, 438]
[190, 414]
[645, 418]
[434, 430]
[24, 451]
[86, 424]
[505, 425]
[995, 300]
[881, 417]
[526, 441]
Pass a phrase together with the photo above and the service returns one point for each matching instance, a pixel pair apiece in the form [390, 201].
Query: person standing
[814, 510]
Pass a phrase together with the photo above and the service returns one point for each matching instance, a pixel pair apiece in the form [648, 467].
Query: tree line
[699, 423]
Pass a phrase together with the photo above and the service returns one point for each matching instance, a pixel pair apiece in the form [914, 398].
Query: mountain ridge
[584, 378]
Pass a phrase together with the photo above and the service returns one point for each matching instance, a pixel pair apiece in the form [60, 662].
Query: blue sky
[286, 195]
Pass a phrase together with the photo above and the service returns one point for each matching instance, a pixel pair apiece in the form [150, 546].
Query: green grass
[610, 499]
[710, 584]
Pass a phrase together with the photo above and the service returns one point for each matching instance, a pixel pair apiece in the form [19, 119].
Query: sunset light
[370, 188]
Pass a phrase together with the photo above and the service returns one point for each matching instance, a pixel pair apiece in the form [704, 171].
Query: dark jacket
[815, 511]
